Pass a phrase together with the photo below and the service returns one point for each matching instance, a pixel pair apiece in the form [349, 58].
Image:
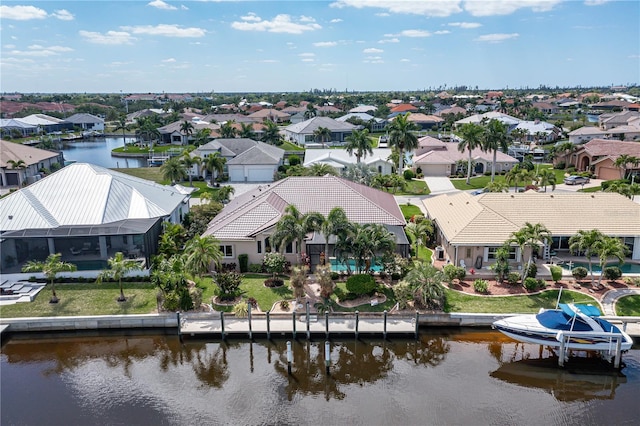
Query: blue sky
[289, 46]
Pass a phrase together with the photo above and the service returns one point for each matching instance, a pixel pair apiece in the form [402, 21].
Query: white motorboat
[578, 324]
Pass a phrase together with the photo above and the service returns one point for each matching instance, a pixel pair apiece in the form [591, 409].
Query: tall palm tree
[359, 142]
[119, 266]
[294, 226]
[202, 136]
[50, 267]
[420, 231]
[336, 223]
[214, 164]
[174, 170]
[18, 165]
[586, 242]
[227, 131]
[495, 138]
[360, 173]
[122, 125]
[606, 248]
[187, 129]
[271, 133]
[622, 161]
[189, 162]
[402, 138]
[497, 186]
[546, 177]
[565, 149]
[320, 169]
[310, 112]
[426, 282]
[471, 135]
[200, 253]
[246, 131]
[323, 135]
[531, 236]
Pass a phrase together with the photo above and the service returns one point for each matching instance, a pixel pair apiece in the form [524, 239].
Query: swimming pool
[338, 266]
[627, 268]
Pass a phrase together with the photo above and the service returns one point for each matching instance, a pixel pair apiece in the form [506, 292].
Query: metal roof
[122, 227]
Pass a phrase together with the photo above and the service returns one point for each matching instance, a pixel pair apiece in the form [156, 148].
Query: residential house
[539, 131]
[364, 108]
[471, 228]
[585, 134]
[99, 212]
[509, 121]
[172, 133]
[14, 127]
[247, 160]
[35, 159]
[303, 133]
[377, 124]
[269, 114]
[425, 121]
[599, 156]
[87, 122]
[609, 121]
[545, 107]
[246, 222]
[45, 123]
[437, 158]
[340, 159]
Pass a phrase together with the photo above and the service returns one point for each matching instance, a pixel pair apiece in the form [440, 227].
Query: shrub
[294, 160]
[284, 305]
[335, 276]
[403, 293]
[419, 171]
[452, 272]
[513, 278]
[228, 283]
[171, 302]
[531, 270]
[612, 273]
[632, 281]
[361, 284]
[241, 309]
[274, 262]
[274, 282]
[243, 260]
[556, 272]
[408, 174]
[196, 297]
[255, 268]
[251, 301]
[481, 286]
[579, 273]
[530, 283]
[560, 166]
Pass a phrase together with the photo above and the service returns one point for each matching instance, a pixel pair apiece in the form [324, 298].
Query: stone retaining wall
[101, 322]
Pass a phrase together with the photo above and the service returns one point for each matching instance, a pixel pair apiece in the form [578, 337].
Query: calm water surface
[445, 377]
[98, 151]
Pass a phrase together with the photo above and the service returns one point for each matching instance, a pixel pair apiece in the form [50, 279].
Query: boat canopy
[588, 310]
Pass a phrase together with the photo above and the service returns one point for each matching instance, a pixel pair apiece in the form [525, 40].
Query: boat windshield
[588, 310]
[559, 320]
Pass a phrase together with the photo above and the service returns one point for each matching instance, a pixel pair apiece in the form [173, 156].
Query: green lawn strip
[460, 302]
[87, 299]
[409, 210]
[628, 306]
[414, 187]
[341, 288]
[150, 173]
[288, 146]
[424, 254]
[252, 286]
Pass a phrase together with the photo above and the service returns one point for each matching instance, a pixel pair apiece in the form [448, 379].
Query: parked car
[576, 180]
[479, 191]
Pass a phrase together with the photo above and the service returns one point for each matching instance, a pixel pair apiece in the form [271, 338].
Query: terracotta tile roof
[613, 148]
[403, 108]
[10, 151]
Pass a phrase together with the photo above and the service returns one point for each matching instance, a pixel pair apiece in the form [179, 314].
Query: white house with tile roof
[303, 133]
[34, 159]
[470, 228]
[340, 159]
[246, 222]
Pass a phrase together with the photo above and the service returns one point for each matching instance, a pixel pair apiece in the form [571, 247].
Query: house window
[289, 248]
[491, 252]
[227, 251]
[468, 253]
[267, 245]
[259, 246]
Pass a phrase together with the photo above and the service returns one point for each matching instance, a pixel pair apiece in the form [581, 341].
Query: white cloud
[383, 14]
[9, 46]
[22, 13]
[507, 7]
[307, 55]
[183, 7]
[308, 60]
[415, 33]
[169, 60]
[426, 8]
[36, 50]
[159, 4]
[595, 2]
[251, 17]
[280, 24]
[389, 40]
[465, 25]
[441, 32]
[405, 60]
[374, 58]
[496, 38]
[109, 38]
[372, 50]
[335, 21]
[269, 61]
[63, 15]
[166, 30]
[325, 44]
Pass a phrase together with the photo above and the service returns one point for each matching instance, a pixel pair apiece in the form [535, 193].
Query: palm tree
[531, 235]
[202, 136]
[187, 129]
[426, 282]
[497, 186]
[18, 165]
[608, 247]
[189, 162]
[294, 226]
[360, 173]
[227, 131]
[200, 253]
[174, 170]
[271, 133]
[246, 131]
[122, 125]
[420, 231]
[336, 223]
[565, 149]
[323, 135]
[586, 242]
[401, 137]
[495, 138]
[320, 169]
[622, 161]
[471, 135]
[359, 142]
[50, 267]
[546, 177]
[310, 112]
[214, 163]
[519, 134]
[224, 194]
[119, 266]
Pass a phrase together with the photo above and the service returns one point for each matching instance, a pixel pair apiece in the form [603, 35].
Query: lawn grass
[479, 182]
[459, 302]
[410, 210]
[387, 305]
[628, 306]
[149, 173]
[87, 299]
[414, 187]
[288, 146]
[252, 286]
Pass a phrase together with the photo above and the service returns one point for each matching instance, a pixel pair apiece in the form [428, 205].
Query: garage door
[608, 173]
[236, 174]
[260, 174]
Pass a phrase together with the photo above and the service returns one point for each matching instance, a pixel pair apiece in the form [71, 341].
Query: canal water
[98, 151]
[444, 377]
